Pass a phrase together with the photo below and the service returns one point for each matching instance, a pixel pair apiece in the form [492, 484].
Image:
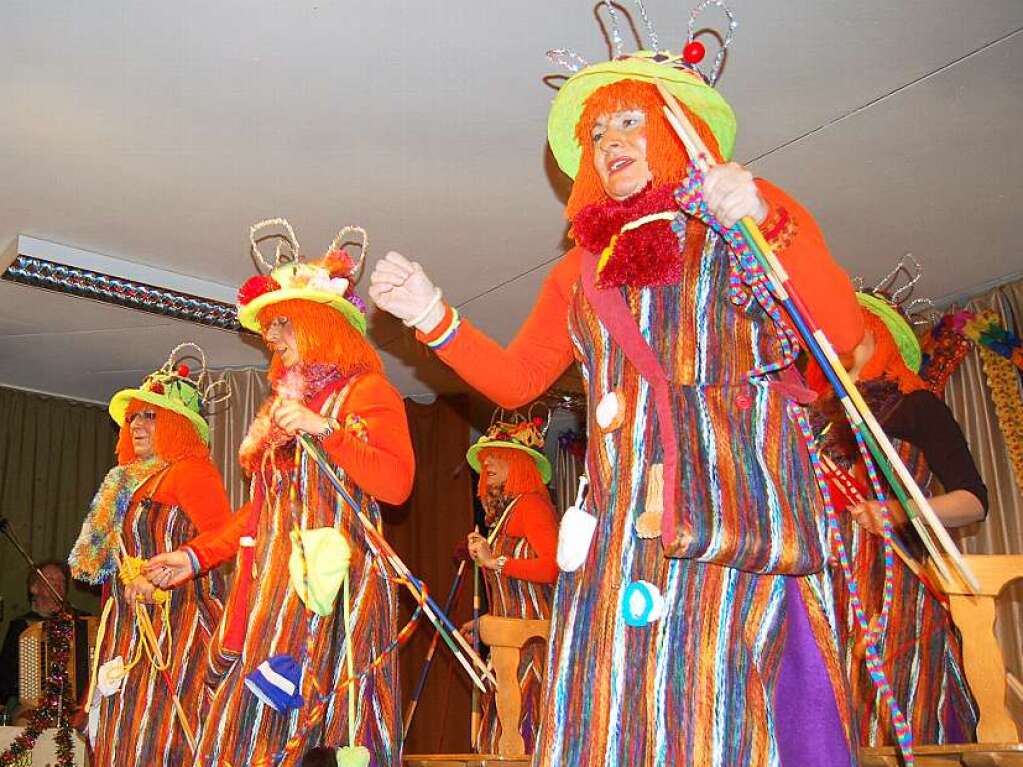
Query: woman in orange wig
[920, 646]
[164, 493]
[690, 626]
[518, 564]
[305, 653]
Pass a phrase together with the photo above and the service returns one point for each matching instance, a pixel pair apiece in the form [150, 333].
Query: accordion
[33, 660]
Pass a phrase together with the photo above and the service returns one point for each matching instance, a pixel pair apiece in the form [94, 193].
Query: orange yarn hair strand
[323, 336]
[523, 474]
[174, 439]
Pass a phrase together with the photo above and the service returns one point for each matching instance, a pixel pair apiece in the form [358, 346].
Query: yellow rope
[130, 568]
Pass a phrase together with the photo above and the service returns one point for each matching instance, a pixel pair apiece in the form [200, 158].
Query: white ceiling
[158, 132]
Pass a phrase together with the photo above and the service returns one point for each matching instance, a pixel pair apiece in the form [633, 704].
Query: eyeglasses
[147, 416]
[277, 323]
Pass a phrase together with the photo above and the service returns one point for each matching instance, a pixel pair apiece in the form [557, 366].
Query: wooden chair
[506, 637]
[998, 735]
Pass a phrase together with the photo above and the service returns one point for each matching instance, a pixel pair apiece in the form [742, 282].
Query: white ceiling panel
[157, 133]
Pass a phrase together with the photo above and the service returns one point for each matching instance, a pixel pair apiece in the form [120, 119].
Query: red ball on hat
[183, 370]
[694, 52]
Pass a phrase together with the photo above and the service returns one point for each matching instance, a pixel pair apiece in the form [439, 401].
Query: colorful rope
[747, 273]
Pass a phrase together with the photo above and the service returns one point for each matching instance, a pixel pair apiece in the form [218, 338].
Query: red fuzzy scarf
[646, 256]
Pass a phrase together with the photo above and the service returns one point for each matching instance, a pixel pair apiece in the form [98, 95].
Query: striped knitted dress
[137, 725]
[264, 617]
[743, 668]
[516, 598]
[921, 648]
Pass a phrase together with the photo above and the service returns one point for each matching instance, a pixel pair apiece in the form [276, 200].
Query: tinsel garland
[946, 345]
[56, 705]
[1003, 381]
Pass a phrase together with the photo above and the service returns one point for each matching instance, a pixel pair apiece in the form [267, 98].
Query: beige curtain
[968, 397]
[229, 422]
[53, 454]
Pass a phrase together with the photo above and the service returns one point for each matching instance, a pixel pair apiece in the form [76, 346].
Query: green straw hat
[172, 388]
[678, 73]
[517, 433]
[905, 339]
[329, 281]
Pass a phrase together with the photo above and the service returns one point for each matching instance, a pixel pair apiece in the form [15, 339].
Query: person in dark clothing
[43, 604]
[920, 647]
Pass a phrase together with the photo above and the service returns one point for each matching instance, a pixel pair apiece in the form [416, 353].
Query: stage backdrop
[53, 454]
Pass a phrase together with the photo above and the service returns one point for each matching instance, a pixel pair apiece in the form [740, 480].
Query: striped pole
[458, 645]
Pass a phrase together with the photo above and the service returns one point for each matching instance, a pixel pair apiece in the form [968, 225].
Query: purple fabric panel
[806, 719]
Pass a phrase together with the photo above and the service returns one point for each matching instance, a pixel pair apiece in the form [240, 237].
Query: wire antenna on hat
[719, 59]
[338, 244]
[287, 244]
[691, 54]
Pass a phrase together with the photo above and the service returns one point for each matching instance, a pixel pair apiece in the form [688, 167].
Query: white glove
[401, 287]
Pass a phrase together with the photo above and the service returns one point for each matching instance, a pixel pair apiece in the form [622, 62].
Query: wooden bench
[998, 734]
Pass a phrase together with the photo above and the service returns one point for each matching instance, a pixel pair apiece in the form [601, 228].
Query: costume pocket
[747, 497]
[318, 566]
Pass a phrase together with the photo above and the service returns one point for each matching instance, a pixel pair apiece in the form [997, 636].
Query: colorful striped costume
[514, 597]
[137, 725]
[264, 615]
[743, 668]
[921, 647]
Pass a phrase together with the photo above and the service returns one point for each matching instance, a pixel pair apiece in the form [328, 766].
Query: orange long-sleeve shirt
[196, 487]
[533, 519]
[542, 350]
[377, 456]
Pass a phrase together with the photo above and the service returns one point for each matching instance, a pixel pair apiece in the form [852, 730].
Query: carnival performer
[518, 563]
[696, 631]
[164, 492]
[920, 646]
[305, 653]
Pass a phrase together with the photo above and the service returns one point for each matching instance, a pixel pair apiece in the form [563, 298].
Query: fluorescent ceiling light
[64, 269]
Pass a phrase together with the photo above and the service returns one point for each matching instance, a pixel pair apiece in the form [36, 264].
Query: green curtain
[53, 455]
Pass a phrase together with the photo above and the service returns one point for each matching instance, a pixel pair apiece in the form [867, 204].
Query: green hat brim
[542, 464]
[568, 105]
[119, 406]
[905, 339]
[248, 315]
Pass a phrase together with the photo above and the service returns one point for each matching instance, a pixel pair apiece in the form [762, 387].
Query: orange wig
[523, 475]
[174, 439]
[665, 154]
[885, 362]
[323, 336]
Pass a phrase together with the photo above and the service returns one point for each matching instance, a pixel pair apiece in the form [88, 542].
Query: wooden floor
[972, 755]
[966, 755]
